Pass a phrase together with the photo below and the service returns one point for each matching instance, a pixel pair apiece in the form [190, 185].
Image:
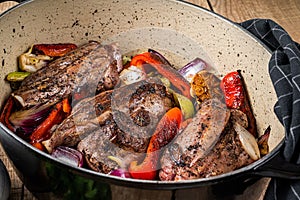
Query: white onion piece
[132, 74]
[248, 141]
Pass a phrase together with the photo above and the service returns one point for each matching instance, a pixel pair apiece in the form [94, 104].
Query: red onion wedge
[120, 173]
[68, 155]
[25, 121]
[189, 70]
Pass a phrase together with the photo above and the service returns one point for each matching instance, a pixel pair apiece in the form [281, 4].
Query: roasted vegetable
[263, 142]
[30, 62]
[25, 121]
[68, 155]
[166, 130]
[57, 115]
[236, 97]
[192, 68]
[132, 74]
[6, 112]
[165, 70]
[186, 106]
[205, 85]
[39, 55]
[248, 141]
[17, 76]
[53, 50]
[120, 173]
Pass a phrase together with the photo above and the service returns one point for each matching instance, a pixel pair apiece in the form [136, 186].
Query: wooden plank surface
[284, 12]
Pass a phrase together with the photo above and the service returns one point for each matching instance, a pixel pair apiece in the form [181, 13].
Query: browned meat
[92, 66]
[137, 109]
[209, 146]
[129, 125]
[98, 146]
[87, 116]
[128, 133]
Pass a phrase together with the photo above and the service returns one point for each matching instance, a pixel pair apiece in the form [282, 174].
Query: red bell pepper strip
[166, 130]
[53, 50]
[57, 115]
[236, 97]
[175, 78]
[6, 112]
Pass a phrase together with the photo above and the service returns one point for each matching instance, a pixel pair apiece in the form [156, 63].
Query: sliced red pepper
[6, 112]
[56, 116]
[236, 97]
[175, 78]
[53, 50]
[166, 130]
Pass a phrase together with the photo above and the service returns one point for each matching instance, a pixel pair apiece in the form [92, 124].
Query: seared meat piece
[226, 156]
[125, 128]
[209, 146]
[137, 108]
[87, 116]
[124, 136]
[89, 66]
[99, 145]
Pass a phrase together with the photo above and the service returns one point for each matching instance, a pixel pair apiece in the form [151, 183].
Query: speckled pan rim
[229, 21]
[182, 2]
[146, 184]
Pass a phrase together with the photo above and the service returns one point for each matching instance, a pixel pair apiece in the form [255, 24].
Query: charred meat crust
[206, 152]
[87, 66]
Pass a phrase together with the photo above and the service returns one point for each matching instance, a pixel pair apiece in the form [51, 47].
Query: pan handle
[277, 167]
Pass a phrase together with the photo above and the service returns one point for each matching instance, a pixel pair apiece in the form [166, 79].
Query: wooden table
[284, 12]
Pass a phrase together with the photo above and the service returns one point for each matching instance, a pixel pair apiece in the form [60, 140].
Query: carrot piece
[56, 116]
[175, 78]
[54, 50]
[166, 130]
[66, 106]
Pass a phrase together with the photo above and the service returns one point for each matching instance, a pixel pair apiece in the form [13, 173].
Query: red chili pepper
[57, 115]
[54, 50]
[166, 130]
[175, 78]
[236, 97]
[4, 118]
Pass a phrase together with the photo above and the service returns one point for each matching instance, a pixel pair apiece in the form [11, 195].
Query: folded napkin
[284, 70]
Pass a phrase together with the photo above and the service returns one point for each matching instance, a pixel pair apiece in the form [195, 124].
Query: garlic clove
[248, 141]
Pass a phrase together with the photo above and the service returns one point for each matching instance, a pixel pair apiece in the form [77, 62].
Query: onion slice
[68, 155]
[120, 173]
[26, 121]
[248, 141]
[132, 75]
[189, 70]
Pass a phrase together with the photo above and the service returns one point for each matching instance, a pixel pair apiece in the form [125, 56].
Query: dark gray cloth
[284, 70]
